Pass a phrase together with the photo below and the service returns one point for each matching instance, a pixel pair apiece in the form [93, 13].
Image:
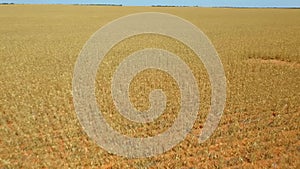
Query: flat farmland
[260, 52]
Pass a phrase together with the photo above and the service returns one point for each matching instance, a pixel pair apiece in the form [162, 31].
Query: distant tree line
[167, 6]
[6, 3]
[99, 4]
[9, 3]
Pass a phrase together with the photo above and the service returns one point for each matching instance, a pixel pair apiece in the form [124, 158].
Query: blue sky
[236, 3]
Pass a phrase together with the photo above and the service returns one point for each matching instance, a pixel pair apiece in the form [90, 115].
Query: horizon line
[107, 4]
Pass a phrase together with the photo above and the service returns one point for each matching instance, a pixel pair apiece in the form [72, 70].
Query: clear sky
[235, 3]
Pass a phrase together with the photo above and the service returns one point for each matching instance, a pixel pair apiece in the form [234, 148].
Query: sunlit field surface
[260, 52]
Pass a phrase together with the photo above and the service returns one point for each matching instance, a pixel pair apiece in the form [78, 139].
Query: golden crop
[260, 51]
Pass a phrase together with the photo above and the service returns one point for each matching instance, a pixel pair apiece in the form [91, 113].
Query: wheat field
[260, 52]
